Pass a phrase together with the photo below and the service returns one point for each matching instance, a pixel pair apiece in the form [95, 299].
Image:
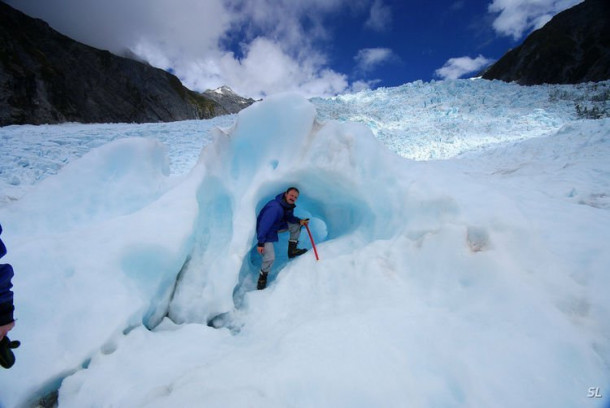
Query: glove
[7, 358]
[304, 221]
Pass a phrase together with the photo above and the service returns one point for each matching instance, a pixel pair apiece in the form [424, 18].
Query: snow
[478, 280]
[224, 90]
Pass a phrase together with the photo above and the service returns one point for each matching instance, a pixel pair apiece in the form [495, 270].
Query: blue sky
[316, 47]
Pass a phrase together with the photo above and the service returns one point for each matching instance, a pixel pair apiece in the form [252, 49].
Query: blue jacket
[274, 217]
[6, 296]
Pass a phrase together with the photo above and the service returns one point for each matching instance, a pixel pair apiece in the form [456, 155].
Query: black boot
[262, 281]
[7, 358]
[293, 251]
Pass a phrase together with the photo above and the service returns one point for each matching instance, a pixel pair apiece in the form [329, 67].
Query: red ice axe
[313, 244]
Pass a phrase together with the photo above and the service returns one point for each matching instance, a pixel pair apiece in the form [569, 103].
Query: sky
[315, 47]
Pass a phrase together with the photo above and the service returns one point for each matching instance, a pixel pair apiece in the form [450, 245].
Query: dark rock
[573, 47]
[46, 77]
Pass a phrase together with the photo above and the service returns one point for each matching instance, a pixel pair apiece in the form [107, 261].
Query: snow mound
[448, 283]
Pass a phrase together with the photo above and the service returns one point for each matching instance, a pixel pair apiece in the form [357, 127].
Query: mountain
[227, 99]
[573, 47]
[46, 77]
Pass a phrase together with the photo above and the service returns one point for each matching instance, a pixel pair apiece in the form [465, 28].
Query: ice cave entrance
[333, 210]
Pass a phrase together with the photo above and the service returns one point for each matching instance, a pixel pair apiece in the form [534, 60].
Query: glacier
[462, 228]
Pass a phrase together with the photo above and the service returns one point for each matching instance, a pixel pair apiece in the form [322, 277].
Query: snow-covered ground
[479, 280]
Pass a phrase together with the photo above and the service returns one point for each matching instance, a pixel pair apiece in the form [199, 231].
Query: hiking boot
[7, 358]
[262, 280]
[293, 251]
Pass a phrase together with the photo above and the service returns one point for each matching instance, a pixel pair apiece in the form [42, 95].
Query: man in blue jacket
[277, 216]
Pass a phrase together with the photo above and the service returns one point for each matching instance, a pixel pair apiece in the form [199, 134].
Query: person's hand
[304, 221]
[261, 250]
[5, 329]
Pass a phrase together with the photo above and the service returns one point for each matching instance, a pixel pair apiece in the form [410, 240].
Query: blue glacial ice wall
[345, 175]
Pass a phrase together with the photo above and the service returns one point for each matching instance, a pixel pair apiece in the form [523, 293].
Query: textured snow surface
[478, 280]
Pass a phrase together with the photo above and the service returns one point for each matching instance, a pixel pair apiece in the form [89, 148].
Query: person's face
[291, 196]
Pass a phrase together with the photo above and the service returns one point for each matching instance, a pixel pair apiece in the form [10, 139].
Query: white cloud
[187, 27]
[518, 17]
[370, 58]
[358, 86]
[263, 70]
[267, 69]
[279, 52]
[456, 68]
[380, 17]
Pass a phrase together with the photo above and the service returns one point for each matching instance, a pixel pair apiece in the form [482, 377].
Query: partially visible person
[275, 217]
[7, 322]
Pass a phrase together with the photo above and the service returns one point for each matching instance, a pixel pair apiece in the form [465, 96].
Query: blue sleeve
[6, 295]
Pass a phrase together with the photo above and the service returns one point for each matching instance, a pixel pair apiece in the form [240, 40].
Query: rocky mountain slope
[573, 47]
[46, 77]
